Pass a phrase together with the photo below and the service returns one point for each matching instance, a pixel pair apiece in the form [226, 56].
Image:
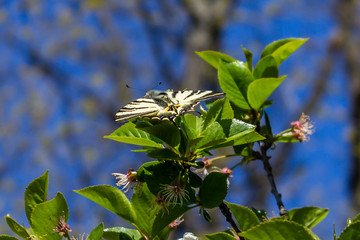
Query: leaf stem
[270, 176]
[223, 156]
[226, 212]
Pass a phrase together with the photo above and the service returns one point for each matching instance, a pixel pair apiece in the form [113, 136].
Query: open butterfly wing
[141, 107]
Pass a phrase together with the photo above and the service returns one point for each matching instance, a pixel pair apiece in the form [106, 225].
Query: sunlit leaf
[245, 217]
[214, 58]
[351, 232]
[308, 216]
[248, 56]
[111, 198]
[267, 67]
[234, 79]
[116, 233]
[283, 48]
[97, 233]
[128, 133]
[220, 236]
[279, 230]
[18, 229]
[46, 216]
[36, 193]
[260, 89]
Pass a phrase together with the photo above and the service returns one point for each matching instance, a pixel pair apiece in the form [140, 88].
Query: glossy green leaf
[117, 233]
[283, 48]
[245, 217]
[6, 237]
[220, 236]
[110, 198]
[260, 89]
[155, 127]
[267, 67]
[213, 190]
[18, 229]
[192, 126]
[128, 133]
[219, 110]
[351, 232]
[227, 133]
[36, 193]
[279, 230]
[248, 56]
[234, 79]
[46, 216]
[97, 233]
[308, 216]
[214, 58]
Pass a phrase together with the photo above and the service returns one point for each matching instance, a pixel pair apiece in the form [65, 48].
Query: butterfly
[160, 104]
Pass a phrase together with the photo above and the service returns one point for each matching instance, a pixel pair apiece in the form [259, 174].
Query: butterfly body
[160, 104]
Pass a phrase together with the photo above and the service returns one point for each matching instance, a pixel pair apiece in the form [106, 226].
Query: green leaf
[46, 216]
[351, 232]
[283, 48]
[279, 230]
[260, 89]
[194, 179]
[214, 58]
[18, 229]
[213, 190]
[156, 128]
[267, 67]
[308, 216]
[163, 154]
[356, 218]
[156, 173]
[117, 233]
[219, 110]
[220, 236]
[192, 126]
[128, 133]
[245, 217]
[227, 133]
[234, 79]
[97, 233]
[6, 237]
[163, 220]
[248, 56]
[110, 198]
[36, 193]
[152, 218]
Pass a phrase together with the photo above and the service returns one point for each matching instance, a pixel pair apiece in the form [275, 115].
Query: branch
[226, 212]
[268, 169]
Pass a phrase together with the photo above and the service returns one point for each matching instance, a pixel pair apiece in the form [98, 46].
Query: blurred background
[64, 66]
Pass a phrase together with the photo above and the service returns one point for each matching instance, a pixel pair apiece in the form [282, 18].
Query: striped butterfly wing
[188, 99]
[142, 107]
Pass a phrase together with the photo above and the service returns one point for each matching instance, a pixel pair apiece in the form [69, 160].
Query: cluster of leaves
[171, 185]
[47, 219]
